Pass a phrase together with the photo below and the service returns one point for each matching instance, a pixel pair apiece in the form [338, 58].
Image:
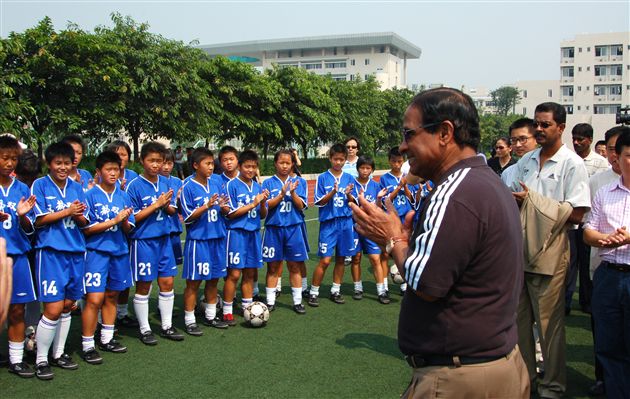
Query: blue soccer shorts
[23, 287]
[152, 258]
[107, 271]
[284, 243]
[205, 259]
[244, 249]
[176, 242]
[368, 246]
[59, 275]
[337, 234]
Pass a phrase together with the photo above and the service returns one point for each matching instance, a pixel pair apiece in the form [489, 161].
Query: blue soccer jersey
[240, 194]
[86, 179]
[64, 234]
[338, 204]
[174, 184]
[143, 193]
[285, 213]
[370, 190]
[17, 239]
[103, 207]
[209, 225]
[401, 202]
[127, 175]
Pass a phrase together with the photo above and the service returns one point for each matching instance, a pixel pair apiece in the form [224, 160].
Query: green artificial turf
[334, 351]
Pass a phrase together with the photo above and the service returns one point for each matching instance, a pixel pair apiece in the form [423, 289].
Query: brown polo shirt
[466, 250]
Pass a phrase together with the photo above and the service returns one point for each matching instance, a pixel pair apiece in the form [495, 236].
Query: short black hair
[29, 165]
[355, 139]
[152, 147]
[622, 141]
[169, 155]
[74, 139]
[107, 156]
[247, 155]
[365, 160]
[226, 150]
[522, 122]
[615, 131]
[582, 130]
[115, 145]
[557, 110]
[200, 154]
[8, 142]
[600, 142]
[284, 151]
[448, 104]
[394, 152]
[59, 149]
[504, 139]
[338, 148]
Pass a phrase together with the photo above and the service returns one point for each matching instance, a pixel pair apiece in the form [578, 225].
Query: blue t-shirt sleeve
[41, 206]
[320, 189]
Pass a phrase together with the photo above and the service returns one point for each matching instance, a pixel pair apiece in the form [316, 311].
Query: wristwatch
[392, 242]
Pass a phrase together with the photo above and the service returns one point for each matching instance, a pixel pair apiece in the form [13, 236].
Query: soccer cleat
[278, 292]
[43, 371]
[313, 301]
[337, 298]
[228, 318]
[148, 338]
[112, 346]
[127, 322]
[21, 369]
[91, 356]
[384, 298]
[194, 330]
[305, 294]
[358, 295]
[271, 307]
[65, 362]
[216, 323]
[172, 334]
[257, 298]
[299, 309]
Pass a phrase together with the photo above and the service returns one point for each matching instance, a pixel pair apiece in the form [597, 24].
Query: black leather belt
[417, 361]
[620, 267]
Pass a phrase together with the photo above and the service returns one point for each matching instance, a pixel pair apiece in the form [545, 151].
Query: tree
[396, 102]
[492, 127]
[505, 99]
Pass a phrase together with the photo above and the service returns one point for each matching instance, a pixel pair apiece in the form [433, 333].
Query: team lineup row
[94, 241]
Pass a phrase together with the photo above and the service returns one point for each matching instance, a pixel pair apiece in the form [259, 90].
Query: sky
[471, 43]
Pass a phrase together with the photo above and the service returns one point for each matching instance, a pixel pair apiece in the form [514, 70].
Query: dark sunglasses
[542, 124]
[352, 147]
[408, 133]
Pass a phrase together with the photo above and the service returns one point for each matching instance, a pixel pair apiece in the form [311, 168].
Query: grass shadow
[375, 342]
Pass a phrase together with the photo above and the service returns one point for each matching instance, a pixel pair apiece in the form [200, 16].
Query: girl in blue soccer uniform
[175, 184]
[107, 270]
[16, 203]
[60, 212]
[204, 205]
[284, 238]
[336, 232]
[247, 201]
[81, 176]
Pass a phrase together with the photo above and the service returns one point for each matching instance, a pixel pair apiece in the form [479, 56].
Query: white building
[344, 57]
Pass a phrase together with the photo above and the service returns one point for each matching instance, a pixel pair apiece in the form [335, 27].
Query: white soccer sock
[314, 290]
[335, 288]
[358, 285]
[189, 317]
[297, 295]
[61, 335]
[141, 306]
[165, 303]
[256, 290]
[45, 335]
[279, 285]
[271, 296]
[107, 333]
[380, 289]
[122, 310]
[304, 284]
[385, 284]
[16, 352]
[87, 343]
[227, 307]
[211, 311]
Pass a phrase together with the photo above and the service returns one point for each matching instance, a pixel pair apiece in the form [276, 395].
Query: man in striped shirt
[607, 229]
[462, 260]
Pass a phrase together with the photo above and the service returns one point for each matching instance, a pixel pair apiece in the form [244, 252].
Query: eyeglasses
[499, 147]
[543, 124]
[520, 139]
[352, 147]
[408, 133]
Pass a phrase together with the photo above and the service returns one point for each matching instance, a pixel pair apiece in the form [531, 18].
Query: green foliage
[492, 127]
[505, 99]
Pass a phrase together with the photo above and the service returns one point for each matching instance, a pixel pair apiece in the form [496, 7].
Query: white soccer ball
[256, 314]
[395, 275]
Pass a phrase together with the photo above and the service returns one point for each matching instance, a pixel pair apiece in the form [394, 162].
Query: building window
[366, 76]
[567, 91]
[579, 88]
[290, 54]
[524, 110]
[367, 61]
[579, 49]
[352, 62]
[599, 90]
[616, 49]
[615, 90]
[352, 77]
[568, 52]
[335, 64]
[567, 72]
[600, 71]
[569, 109]
[616, 70]
[588, 49]
[588, 107]
[579, 69]
[579, 107]
[601, 51]
[588, 88]
[524, 96]
[382, 49]
[588, 68]
[550, 93]
[312, 65]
